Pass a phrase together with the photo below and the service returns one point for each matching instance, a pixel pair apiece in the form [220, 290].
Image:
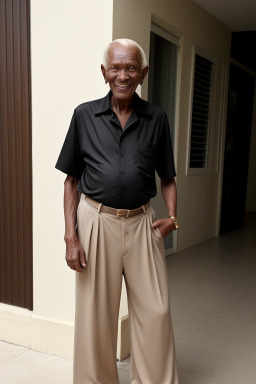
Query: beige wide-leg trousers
[116, 246]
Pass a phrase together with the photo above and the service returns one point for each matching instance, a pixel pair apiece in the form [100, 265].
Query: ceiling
[238, 15]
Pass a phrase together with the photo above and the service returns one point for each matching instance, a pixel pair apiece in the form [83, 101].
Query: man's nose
[123, 75]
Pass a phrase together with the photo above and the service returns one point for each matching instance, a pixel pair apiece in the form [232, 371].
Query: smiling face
[123, 72]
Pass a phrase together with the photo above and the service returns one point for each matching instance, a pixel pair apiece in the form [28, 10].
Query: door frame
[170, 34]
[223, 124]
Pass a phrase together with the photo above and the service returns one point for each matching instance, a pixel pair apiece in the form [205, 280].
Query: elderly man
[110, 154]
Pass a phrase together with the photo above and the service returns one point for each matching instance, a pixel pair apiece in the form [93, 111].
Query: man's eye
[113, 68]
[132, 68]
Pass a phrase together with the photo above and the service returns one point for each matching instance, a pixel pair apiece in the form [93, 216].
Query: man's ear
[144, 73]
[103, 70]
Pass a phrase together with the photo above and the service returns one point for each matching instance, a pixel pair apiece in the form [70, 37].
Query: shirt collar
[139, 105]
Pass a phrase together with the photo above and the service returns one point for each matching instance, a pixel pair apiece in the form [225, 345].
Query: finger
[82, 259]
[77, 265]
[73, 261]
[156, 223]
[68, 261]
[71, 265]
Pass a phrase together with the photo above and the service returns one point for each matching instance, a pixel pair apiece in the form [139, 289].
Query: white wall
[198, 204]
[67, 41]
[68, 38]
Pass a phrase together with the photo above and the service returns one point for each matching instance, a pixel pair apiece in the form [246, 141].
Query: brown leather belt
[117, 212]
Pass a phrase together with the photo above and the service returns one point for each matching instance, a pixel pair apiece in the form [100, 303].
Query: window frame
[210, 168]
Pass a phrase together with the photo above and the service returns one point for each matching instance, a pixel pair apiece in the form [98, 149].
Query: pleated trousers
[115, 247]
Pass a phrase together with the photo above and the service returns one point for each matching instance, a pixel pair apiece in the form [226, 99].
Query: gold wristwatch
[175, 220]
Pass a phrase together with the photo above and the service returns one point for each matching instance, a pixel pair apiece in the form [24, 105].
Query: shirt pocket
[146, 156]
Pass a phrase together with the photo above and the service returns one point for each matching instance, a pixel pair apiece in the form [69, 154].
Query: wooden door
[15, 159]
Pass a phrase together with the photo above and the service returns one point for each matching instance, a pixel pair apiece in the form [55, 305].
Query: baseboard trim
[23, 327]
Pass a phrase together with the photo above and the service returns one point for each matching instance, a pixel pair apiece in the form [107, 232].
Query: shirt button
[121, 154]
[122, 171]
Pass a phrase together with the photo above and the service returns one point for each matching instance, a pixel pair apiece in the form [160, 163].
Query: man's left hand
[165, 226]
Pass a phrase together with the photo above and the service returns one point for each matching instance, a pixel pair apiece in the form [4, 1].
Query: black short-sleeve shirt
[117, 167]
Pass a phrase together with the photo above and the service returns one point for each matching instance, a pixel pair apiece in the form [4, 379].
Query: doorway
[237, 148]
[162, 92]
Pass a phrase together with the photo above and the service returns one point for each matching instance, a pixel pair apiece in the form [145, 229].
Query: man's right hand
[75, 255]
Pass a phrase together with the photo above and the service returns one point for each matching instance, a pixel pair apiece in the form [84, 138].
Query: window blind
[201, 112]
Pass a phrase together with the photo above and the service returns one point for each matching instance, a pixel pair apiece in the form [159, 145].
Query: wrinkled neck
[121, 107]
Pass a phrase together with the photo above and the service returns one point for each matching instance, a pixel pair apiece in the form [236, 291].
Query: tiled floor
[213, 304]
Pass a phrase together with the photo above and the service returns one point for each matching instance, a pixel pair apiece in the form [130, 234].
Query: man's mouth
[123, 86]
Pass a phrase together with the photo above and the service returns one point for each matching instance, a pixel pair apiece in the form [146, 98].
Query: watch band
[175, 220]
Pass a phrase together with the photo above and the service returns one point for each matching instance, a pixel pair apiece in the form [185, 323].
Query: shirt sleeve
[164, 161]
[70, 160]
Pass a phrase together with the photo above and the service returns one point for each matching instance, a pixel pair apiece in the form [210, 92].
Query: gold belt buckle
[122, 212]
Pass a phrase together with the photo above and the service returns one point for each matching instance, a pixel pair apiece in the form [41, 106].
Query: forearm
[169, 192]
[71, 200]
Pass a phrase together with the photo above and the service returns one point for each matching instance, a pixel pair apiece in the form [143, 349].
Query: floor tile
[196, 378]
[33, 367]
[124, 377]
[8, 351]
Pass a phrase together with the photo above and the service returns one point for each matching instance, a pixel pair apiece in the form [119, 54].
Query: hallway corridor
[213, 305]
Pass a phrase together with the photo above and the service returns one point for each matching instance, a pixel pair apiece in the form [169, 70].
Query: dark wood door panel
[15, 145]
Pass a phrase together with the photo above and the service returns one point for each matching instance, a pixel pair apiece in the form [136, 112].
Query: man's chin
[123, 95]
